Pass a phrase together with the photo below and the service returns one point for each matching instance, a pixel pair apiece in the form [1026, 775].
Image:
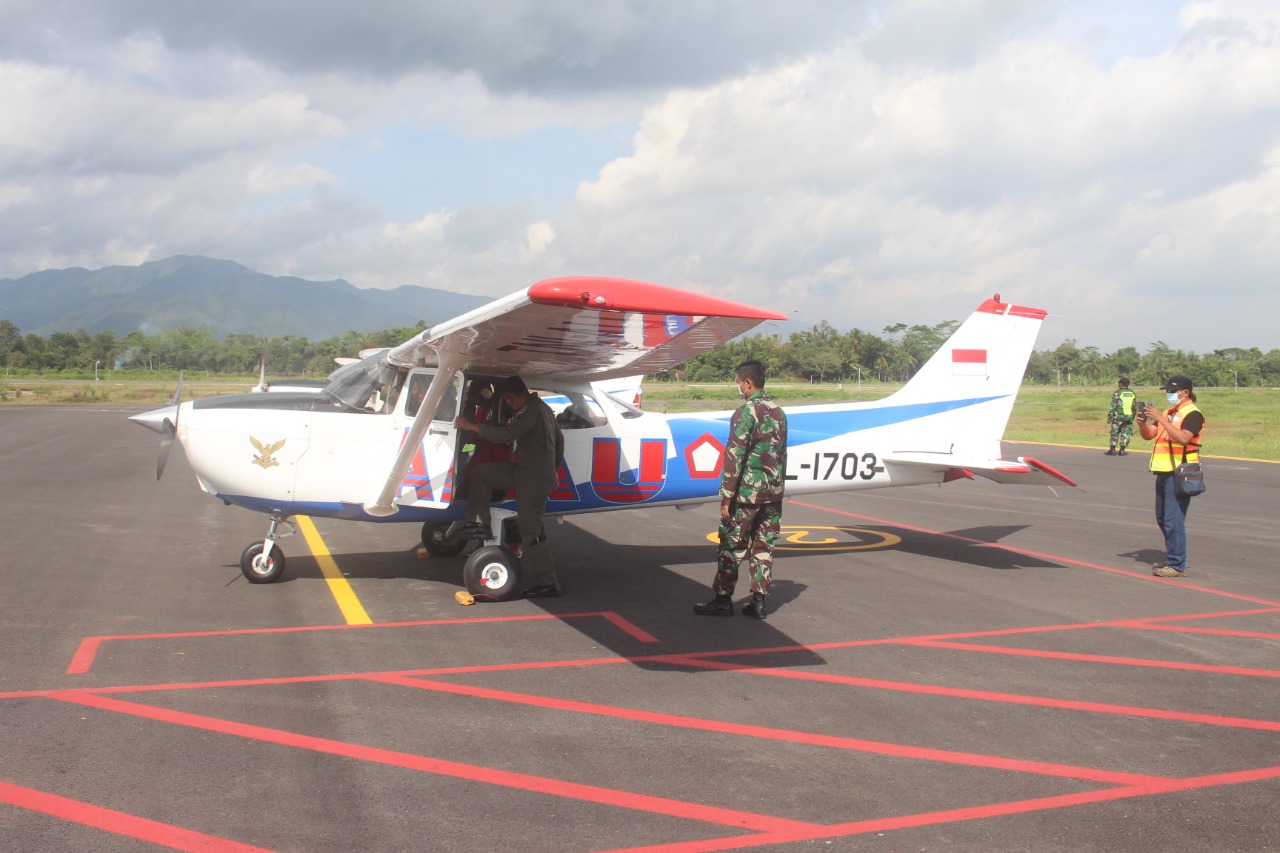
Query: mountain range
[197, 291]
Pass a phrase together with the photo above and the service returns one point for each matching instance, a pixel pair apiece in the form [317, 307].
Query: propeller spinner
[165, 422]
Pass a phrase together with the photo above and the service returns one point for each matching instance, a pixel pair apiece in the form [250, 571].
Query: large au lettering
[418, 477]
[614, 485]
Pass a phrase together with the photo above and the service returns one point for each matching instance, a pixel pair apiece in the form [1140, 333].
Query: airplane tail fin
[971, 382]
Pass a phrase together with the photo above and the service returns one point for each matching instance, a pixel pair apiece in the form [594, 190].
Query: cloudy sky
[864, 162]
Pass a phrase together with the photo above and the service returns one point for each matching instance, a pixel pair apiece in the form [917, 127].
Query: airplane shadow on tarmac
[646, 584]
[973, 547]
[640, 583]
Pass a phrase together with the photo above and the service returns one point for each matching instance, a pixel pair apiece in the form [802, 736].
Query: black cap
[1178, 383]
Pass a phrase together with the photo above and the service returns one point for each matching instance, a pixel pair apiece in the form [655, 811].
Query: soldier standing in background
[751, 486]
[1120, 416]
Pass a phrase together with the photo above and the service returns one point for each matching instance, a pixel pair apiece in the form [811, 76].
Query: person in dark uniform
[531, 471]
[751, 487]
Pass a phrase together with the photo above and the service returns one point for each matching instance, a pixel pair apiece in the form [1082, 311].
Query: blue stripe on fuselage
[804, 426]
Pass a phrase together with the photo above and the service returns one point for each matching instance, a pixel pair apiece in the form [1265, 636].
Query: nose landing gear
[263, 562]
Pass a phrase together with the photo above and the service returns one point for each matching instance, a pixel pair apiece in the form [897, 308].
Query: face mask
[1172, 398]
[742, 392]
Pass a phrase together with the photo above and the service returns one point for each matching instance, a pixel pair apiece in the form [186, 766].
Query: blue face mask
[1172, 398]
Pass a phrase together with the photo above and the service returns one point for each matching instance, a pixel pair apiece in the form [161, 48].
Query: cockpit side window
[447, 408]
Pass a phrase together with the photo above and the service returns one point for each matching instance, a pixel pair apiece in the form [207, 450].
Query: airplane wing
[1019, 470]
[591, 327]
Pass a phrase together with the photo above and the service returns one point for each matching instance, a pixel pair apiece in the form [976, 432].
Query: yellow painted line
[1140, 452]
[352, 609]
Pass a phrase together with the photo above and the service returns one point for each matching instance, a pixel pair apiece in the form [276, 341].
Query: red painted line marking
[83, 658]
[119, 823]
[889, 824]
[766, 733]
[485, 775]
[988, 696]
[1107, 659]
[629, 627]
[1181, 584]
[1221, 632]
[307, 679]
[1140, 622]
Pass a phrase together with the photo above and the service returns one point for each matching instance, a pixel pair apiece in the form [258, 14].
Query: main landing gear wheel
[437, 543]
[494, 571]
[260, 568]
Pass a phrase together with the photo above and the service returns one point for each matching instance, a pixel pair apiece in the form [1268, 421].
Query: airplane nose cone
[154, 420]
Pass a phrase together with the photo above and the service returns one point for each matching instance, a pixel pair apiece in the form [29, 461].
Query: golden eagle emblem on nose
[264, 458]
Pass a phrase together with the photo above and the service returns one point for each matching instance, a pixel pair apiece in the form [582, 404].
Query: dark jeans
[1171, 515]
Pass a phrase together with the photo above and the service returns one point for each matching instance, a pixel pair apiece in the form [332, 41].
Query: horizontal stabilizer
[1019, 470]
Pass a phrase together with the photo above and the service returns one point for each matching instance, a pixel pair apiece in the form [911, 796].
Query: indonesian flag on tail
[969, 362]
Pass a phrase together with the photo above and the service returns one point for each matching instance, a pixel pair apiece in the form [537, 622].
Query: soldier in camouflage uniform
[1120, 416]
[751, 486]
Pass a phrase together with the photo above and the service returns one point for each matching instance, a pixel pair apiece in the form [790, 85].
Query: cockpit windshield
[369, 385]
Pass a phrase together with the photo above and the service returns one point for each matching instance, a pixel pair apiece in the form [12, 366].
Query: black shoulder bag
[1188, 478]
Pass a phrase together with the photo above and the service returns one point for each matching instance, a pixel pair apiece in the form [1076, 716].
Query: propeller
[262, 376]
[169, 430]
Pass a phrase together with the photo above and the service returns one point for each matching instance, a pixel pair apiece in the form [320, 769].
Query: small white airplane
[363, 450]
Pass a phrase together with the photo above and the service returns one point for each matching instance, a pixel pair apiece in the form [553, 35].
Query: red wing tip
[602, 293]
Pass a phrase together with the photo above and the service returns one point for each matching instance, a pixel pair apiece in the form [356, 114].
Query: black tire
[494, 572]
[257, 570]
[439, 545]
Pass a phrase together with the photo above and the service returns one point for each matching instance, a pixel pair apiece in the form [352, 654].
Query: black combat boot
[721, 605]
[754, 606]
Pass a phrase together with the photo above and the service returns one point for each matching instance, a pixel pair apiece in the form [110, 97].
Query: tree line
[819, 354]
[188, 348]
[822, 354]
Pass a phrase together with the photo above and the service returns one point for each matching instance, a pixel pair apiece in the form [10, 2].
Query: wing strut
[384, 504]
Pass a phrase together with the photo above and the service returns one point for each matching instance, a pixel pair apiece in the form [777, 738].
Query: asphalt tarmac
[968, 667]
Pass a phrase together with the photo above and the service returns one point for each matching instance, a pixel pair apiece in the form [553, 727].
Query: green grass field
[1242, 422]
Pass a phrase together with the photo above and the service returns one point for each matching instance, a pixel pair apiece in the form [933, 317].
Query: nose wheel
[263, 561]
[260, 566]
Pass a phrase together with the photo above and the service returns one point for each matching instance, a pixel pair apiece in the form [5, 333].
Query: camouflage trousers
[1121, 432]
[747, 534]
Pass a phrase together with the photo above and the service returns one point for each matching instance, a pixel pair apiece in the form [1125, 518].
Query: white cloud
[270, 178]
[1032, 171]
[862, 163]
[538, 237]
